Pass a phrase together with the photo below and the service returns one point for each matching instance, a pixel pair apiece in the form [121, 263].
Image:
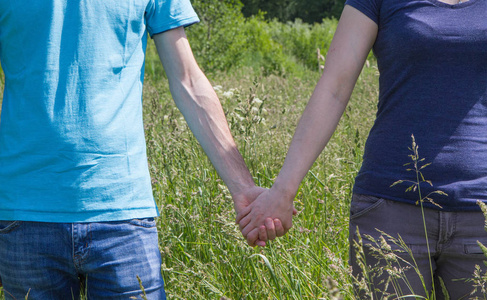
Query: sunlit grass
[204, 255]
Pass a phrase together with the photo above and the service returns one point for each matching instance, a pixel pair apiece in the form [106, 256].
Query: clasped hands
[263, 214]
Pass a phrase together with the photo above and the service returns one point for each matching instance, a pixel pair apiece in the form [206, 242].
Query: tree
[310, 11]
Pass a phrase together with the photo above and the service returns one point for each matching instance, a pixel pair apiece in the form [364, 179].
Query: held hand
[266, 218]
[241, 202]
[245, 197]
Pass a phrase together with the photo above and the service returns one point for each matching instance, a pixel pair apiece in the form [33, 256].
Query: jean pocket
[362, 204]
[146, 222]
[473, 248]
[8, 226]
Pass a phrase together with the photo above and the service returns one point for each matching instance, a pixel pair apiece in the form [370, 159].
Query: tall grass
[204, 255]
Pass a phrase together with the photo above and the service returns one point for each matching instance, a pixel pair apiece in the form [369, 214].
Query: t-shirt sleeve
[370, 8]
[163, 15]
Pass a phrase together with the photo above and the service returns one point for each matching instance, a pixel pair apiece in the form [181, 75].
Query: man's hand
[245, 197]
[241, 202]
[266, 218]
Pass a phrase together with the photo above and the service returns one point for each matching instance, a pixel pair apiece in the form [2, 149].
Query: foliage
[310, 11]
[479, 279]
[303, 41]
[393, 256]
[263, 51]
[218, 41]
[225, 40]
[204, 255]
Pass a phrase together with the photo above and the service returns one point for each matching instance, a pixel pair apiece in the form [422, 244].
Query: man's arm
[348, 51]
[200, 106]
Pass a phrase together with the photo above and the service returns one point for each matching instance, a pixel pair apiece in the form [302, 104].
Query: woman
[432, 58]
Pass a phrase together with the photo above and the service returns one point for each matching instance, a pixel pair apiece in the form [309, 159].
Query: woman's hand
[267, 217]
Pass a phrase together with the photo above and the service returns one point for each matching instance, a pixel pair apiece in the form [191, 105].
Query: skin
[195, 98]
[353, 40]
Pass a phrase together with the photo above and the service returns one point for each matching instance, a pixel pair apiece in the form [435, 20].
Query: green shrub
[218, 41]
[226, 40]
[302, 40]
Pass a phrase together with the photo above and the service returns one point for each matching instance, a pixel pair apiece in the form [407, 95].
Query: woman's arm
[354, 37]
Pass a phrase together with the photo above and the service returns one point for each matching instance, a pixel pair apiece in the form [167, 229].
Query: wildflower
[228, 94]
[239, 117]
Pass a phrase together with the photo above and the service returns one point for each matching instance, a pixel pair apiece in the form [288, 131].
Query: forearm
[351, 44]
[197, 101]
[315, 128]
[202, 110]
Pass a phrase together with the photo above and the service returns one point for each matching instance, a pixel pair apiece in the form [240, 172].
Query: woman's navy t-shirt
[432, 59]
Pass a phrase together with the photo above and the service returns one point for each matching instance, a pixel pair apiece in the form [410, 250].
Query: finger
[270, 229]
[247, 229]
[279, 228]
[241, 214]
[252, 237]
[295, 211]
[260, 243]
[263, 233]
[244, 222]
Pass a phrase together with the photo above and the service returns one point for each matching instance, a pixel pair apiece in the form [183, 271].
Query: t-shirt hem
[78, 217]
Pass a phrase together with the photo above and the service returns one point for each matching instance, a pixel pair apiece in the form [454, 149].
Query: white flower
[238, 116]
[217, 88]
[228, 94]
[257, 101]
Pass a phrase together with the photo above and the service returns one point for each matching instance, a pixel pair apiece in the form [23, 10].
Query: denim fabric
[59, 260]
[452, 238]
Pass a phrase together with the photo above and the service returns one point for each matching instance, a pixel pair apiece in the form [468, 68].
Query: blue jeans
[101, 260]
[453, 248]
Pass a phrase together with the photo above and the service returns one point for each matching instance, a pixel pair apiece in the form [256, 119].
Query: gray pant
[452, 238]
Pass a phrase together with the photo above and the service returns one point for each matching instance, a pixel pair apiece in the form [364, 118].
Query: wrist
[285, 190]
[241, 188]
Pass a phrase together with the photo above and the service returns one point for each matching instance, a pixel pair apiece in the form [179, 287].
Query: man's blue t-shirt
[72, 145]
[432, 59]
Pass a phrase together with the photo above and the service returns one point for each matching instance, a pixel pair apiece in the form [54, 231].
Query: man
[76, 206]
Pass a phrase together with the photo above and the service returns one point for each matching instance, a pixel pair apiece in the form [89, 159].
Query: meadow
[205, 256]
[264, 80]
[264, 73]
